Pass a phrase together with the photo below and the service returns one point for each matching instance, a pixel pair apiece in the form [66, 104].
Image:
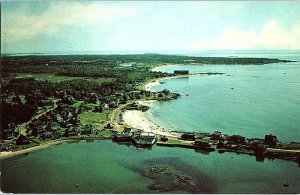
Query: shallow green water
[106, 167]
[252, 100]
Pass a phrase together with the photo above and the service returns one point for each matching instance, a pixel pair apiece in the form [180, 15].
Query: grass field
[93, 117]
[106, 133]
[54, 78]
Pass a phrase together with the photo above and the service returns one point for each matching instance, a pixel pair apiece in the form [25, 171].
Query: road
[23, 127]
[114, 117]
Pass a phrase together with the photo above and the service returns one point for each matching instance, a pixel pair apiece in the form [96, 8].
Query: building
[144, 140]
[236, 139]
[202, 143]
[182, 72]
[270, 140]
[188, 136]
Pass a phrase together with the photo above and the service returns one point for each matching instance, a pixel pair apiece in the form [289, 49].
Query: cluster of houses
[234, 143]
[59, 122]
[226, 141]
[135, 137]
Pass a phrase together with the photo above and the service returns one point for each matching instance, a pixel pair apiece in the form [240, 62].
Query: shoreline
[155, 82]
[157, 68]
[139, 120]
[134, 118]
[5, 155]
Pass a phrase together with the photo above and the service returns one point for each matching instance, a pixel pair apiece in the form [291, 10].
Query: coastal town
[89, 115]
[143, 97]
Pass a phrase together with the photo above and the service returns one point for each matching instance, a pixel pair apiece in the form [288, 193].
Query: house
[71, 131]
[188, 136]
[98, 109]
[8, 134]
[40, 129]
[144, 140]
[119, 95]
[164, 139]
[202, 143]
[236, 139]
[217, 135]
[88, 129]
[113, 104]
[123, 138]
[93, 98]
[270, 140]
[127, 130]
[58, 118]
[181, 72]
[68, 99]
[22, 139]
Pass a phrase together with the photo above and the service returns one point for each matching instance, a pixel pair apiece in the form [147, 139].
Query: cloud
[271, 36]
[20, 24]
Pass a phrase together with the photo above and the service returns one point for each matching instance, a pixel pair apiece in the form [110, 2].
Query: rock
[160, 188]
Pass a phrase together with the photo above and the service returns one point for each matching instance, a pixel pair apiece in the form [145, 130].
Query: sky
[149, 26]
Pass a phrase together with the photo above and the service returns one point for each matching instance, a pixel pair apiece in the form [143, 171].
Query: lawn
[93, 117]
[106, 133]
[54, 78]
[177, 141]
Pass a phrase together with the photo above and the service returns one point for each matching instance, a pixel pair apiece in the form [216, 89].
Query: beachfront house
[144, 139]
[202, 143]
[236, 139]
[270, 140]
[188, 136]
[181, 72]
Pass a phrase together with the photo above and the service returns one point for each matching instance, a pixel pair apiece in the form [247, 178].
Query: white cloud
[18, 25]
[271, 36]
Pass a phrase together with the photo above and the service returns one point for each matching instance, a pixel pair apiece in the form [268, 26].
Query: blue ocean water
[250, 100]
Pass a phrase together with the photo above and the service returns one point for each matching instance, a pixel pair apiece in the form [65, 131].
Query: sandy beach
[157, 69]
[139, 120]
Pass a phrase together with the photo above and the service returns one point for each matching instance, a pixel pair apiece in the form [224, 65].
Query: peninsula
[47, 100]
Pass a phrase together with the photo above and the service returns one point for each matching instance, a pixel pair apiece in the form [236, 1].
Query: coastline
[157, 68]
[5, 155]
[134, 118]
[139, 120]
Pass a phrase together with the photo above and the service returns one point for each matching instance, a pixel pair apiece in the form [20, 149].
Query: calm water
[106, 167]
[248, 100]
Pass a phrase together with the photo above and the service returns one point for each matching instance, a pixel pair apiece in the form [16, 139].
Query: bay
[106, 167]
[250, 100]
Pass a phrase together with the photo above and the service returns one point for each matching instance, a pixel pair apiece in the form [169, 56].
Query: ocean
[249, 100]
